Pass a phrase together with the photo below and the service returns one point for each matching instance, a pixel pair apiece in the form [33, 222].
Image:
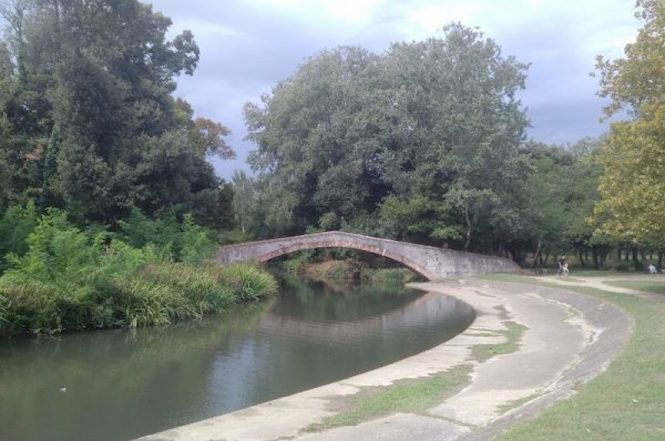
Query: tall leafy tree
[314, 152]
[433, 126]
[632, 185]
[91, 113]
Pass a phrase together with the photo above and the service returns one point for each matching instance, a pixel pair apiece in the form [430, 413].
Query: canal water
[116, 385]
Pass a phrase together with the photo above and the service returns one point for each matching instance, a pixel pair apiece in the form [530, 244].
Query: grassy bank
[407, 396]
[627, 402]
[654, 287]
[61, 278]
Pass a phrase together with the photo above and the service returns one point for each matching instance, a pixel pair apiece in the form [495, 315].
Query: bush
[70, 280]
[623, 266]
[248, 282]
[201, 287]
[391, 276]
[182, 241]
[15, 226]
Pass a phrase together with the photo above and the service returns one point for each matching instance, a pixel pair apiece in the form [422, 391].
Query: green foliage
[248, 282]
[633, 180]
[390, 276]
[245, 201]
[15, 226]
[417, 218]
[183, 241]
[513, 336]
[197, 245]
[424, 137]
[87, 119]
[70, 280]
[406, 396]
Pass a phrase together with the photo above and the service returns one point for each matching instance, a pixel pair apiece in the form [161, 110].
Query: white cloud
[248, 45]
[349, 12]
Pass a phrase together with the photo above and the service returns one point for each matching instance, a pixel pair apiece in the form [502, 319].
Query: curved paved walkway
[570, 339]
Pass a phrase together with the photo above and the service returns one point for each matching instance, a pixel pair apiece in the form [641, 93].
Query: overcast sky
[247, 46]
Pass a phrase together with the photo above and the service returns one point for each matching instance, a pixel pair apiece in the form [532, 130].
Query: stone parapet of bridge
[430, 262]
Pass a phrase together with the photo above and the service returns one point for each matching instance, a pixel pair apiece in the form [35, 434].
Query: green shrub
[623, 266]
[392, 276]
[70, 280]
[138, 230]
[182, 241]
[4, 310]
[201, 287]
[248, 282]
[196, 243]
[15, 226]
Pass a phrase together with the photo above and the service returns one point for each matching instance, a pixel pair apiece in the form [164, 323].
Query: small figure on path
[652, 269]
[563, 267]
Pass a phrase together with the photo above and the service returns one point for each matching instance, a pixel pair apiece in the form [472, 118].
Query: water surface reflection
[122, 384]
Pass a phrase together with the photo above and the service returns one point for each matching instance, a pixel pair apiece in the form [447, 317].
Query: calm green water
[123, 384]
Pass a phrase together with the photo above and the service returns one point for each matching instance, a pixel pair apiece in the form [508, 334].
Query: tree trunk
[660, 260]
[501, 250]
[636, 262]
[594, 256]
[581, 256]
[536, 254]
[604, 252]
[467, 218]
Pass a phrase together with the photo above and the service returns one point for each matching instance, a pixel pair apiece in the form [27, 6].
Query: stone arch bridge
[430, 262]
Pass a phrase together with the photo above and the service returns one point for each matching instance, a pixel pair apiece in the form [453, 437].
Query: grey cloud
[257, 48]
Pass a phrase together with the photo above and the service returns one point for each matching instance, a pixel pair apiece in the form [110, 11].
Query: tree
[433, 125]
[632, 185]
[311, 143]
[244, 198]
[90, 116]
[557, 197]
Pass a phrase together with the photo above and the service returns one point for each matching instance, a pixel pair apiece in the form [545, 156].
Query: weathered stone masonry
[430, 262]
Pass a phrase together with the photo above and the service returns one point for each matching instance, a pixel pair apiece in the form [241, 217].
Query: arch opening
[402, 260]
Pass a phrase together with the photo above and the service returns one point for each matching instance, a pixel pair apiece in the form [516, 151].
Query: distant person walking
[563, 267]
[652, 269]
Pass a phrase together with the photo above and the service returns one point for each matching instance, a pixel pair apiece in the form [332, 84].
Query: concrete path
[570, 339]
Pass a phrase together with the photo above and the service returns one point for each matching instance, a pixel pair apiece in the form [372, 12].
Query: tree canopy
[632, 186]
[430, 127]
[87, 118]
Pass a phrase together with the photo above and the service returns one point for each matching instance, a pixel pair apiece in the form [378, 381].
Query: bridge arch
[327, 243]
[430, 262]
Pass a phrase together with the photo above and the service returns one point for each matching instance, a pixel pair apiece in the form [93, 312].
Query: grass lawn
[411, 396]
[513, 334]
[655, 286]
[574, 272]
[627, 402]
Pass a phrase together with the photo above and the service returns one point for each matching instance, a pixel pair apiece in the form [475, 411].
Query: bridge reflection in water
[425, 313]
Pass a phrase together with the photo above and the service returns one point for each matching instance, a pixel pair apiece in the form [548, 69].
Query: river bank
[566, 340]
[57, 277]
[120, 384]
